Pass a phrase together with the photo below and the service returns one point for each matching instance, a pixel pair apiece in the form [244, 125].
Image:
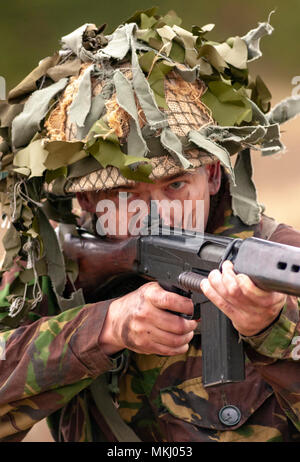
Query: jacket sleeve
[44, 364]
[276, 351]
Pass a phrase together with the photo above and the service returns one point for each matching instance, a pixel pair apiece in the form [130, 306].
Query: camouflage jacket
[51, 361]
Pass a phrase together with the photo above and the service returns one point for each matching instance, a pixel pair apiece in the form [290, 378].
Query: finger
[226, 286]
[156, 341]
[163, 350]
[169, 339]
[241, 287]
[166, 300]
[231, 283]
[170, 322]
[257, 296]
[249, 286]
[247, 294]
[216, 298]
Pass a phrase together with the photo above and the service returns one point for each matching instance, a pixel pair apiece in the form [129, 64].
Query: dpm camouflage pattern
[48, 362]
[52, 360]
[163, 398]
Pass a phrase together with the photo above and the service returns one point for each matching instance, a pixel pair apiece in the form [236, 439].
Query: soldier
[155, 111]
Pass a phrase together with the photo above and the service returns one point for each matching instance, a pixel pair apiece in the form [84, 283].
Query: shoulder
[271, 230]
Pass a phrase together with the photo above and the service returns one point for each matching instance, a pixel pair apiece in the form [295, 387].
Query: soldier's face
[181, 201]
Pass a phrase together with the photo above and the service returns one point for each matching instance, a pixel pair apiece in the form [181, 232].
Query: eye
[125, 194]
[177, 185]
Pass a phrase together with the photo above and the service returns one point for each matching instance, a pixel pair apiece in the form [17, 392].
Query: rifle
[178, 262]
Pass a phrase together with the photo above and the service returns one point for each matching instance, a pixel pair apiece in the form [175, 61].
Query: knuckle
[244, 283]
[142, 312]
[136, 331]
[232, 290]
[247, 291]
[147, 289]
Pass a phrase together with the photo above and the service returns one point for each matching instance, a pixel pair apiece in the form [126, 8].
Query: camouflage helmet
[149, 100]
[180, 110]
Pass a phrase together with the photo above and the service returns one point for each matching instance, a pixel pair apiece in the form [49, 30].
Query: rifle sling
[105, 404]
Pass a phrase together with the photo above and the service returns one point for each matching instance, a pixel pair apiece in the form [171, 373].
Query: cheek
[200, 208]
[204, 196]
[206, 209]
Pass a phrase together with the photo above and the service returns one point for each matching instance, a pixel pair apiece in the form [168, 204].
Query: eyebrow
[176, 176]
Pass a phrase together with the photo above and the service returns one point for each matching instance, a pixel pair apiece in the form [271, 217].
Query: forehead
[193, 178]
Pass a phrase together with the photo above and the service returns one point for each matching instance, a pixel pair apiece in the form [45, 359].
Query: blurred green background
[31, 30]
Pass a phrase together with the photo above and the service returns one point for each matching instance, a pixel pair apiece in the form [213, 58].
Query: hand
[249, 308]
[140, 322]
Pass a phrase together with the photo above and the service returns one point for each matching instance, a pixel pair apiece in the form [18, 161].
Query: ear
[85, 202]
[214, 175]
